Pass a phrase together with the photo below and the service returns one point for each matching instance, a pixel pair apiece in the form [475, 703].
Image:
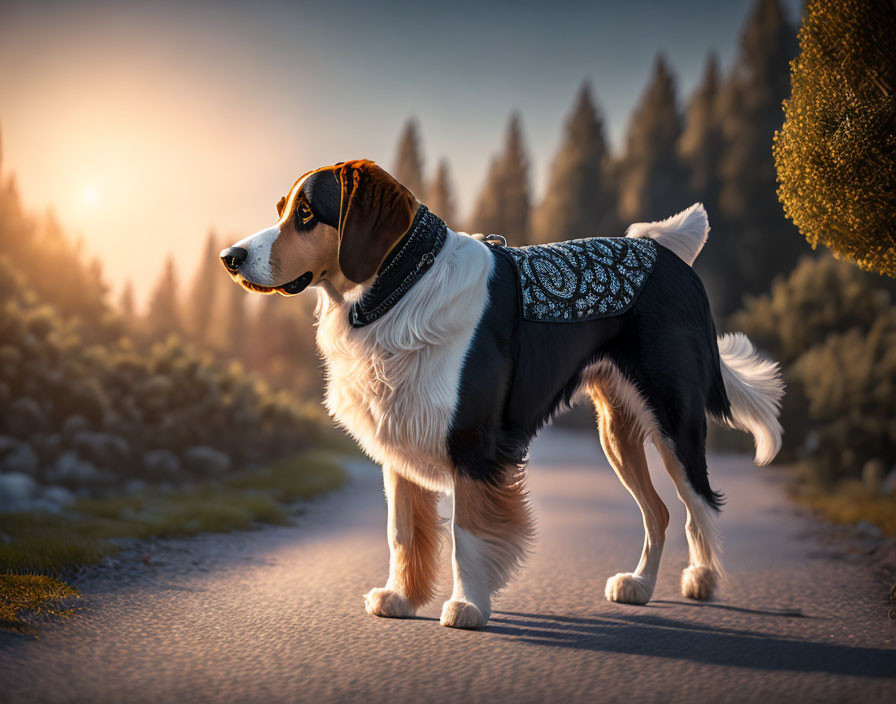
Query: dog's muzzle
[233, 258]
[297, 285]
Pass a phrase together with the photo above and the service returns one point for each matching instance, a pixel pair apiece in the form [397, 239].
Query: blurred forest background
[98, 397]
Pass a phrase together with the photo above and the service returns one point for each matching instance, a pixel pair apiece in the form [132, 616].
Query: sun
[91, 194]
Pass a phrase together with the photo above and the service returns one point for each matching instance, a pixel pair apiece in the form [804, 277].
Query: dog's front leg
[491, 527]
[413, 533]
[470, 604]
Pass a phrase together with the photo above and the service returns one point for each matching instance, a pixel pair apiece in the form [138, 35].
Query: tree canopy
[504, 202]
[440, 194]
[761, 243]
[836, 153]
[579, 200]
[653, 178]
[409, 160]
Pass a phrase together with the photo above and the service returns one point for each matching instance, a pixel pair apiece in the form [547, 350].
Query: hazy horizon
[142, 126]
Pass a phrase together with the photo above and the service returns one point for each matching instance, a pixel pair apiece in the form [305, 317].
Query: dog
[445, 353]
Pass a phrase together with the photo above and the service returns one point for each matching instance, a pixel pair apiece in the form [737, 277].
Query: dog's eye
[303, 210]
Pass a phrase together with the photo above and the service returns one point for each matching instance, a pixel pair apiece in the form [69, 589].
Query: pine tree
[441, 194]
[205, 291]
[840, 120]
[58, 272]
[701, 141]
[163, 316]
[409, 160]
[578, 201]
[126, 303]
[487, 214]
[282, 344]
[504, 203]
[235, 322]
[764, 243]
[653, 177]
[264, 331]
[701, 148]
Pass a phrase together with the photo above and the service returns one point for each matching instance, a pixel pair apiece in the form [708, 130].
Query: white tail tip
[755, 388]
[684, 233]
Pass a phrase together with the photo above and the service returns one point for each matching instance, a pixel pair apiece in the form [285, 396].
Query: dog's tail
[684, 233]
[754, 388]
[753, 385]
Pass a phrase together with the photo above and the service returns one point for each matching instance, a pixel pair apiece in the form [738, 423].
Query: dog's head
[337, 224]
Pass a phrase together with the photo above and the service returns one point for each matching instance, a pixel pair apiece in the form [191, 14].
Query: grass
[849, 503]
[37, 548]
[32, 594]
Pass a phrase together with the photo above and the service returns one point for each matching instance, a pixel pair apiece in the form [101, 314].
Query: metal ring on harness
[492, 239]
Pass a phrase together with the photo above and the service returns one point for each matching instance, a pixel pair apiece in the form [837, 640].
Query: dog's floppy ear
[375, 211]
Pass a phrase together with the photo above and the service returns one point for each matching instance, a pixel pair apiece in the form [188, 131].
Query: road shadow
[786, 613]
[659, 636]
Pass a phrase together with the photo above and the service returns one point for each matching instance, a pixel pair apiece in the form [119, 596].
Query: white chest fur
[394, 384]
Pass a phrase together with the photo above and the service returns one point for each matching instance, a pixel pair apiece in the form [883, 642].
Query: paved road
[277, 615]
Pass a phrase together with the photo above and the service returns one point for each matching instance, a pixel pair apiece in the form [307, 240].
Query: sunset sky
[143, 124]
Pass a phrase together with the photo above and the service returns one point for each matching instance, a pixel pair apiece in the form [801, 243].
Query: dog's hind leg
[413, 532]
[699, 579]
[491, 527]
[622, 437]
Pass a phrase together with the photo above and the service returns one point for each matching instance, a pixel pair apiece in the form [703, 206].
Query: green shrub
[849, 383]
[819, 297]
[833, 329]
[168, 396]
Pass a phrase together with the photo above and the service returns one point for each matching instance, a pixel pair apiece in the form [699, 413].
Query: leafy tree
[579, 201]
[653, 177]
[836, 153]
[163, 316]
[762, 242]
[504, 203]
[205, 291]
[409, 160]
[440, 194]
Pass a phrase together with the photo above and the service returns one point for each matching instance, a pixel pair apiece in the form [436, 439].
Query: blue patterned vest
[597, 277]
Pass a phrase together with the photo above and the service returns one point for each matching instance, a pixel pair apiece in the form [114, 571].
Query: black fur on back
[519, 373]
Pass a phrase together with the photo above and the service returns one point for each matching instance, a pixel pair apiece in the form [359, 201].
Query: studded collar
[408, 261]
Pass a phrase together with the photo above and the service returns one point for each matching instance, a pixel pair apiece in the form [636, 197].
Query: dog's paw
[461, 614]
[388, 604]
[627, 588]
[698, 582]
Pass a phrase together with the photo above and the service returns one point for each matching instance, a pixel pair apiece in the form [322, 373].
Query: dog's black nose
[233, 257]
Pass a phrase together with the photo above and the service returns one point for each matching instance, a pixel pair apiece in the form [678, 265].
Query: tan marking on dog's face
[295, 252]
[298, 250]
